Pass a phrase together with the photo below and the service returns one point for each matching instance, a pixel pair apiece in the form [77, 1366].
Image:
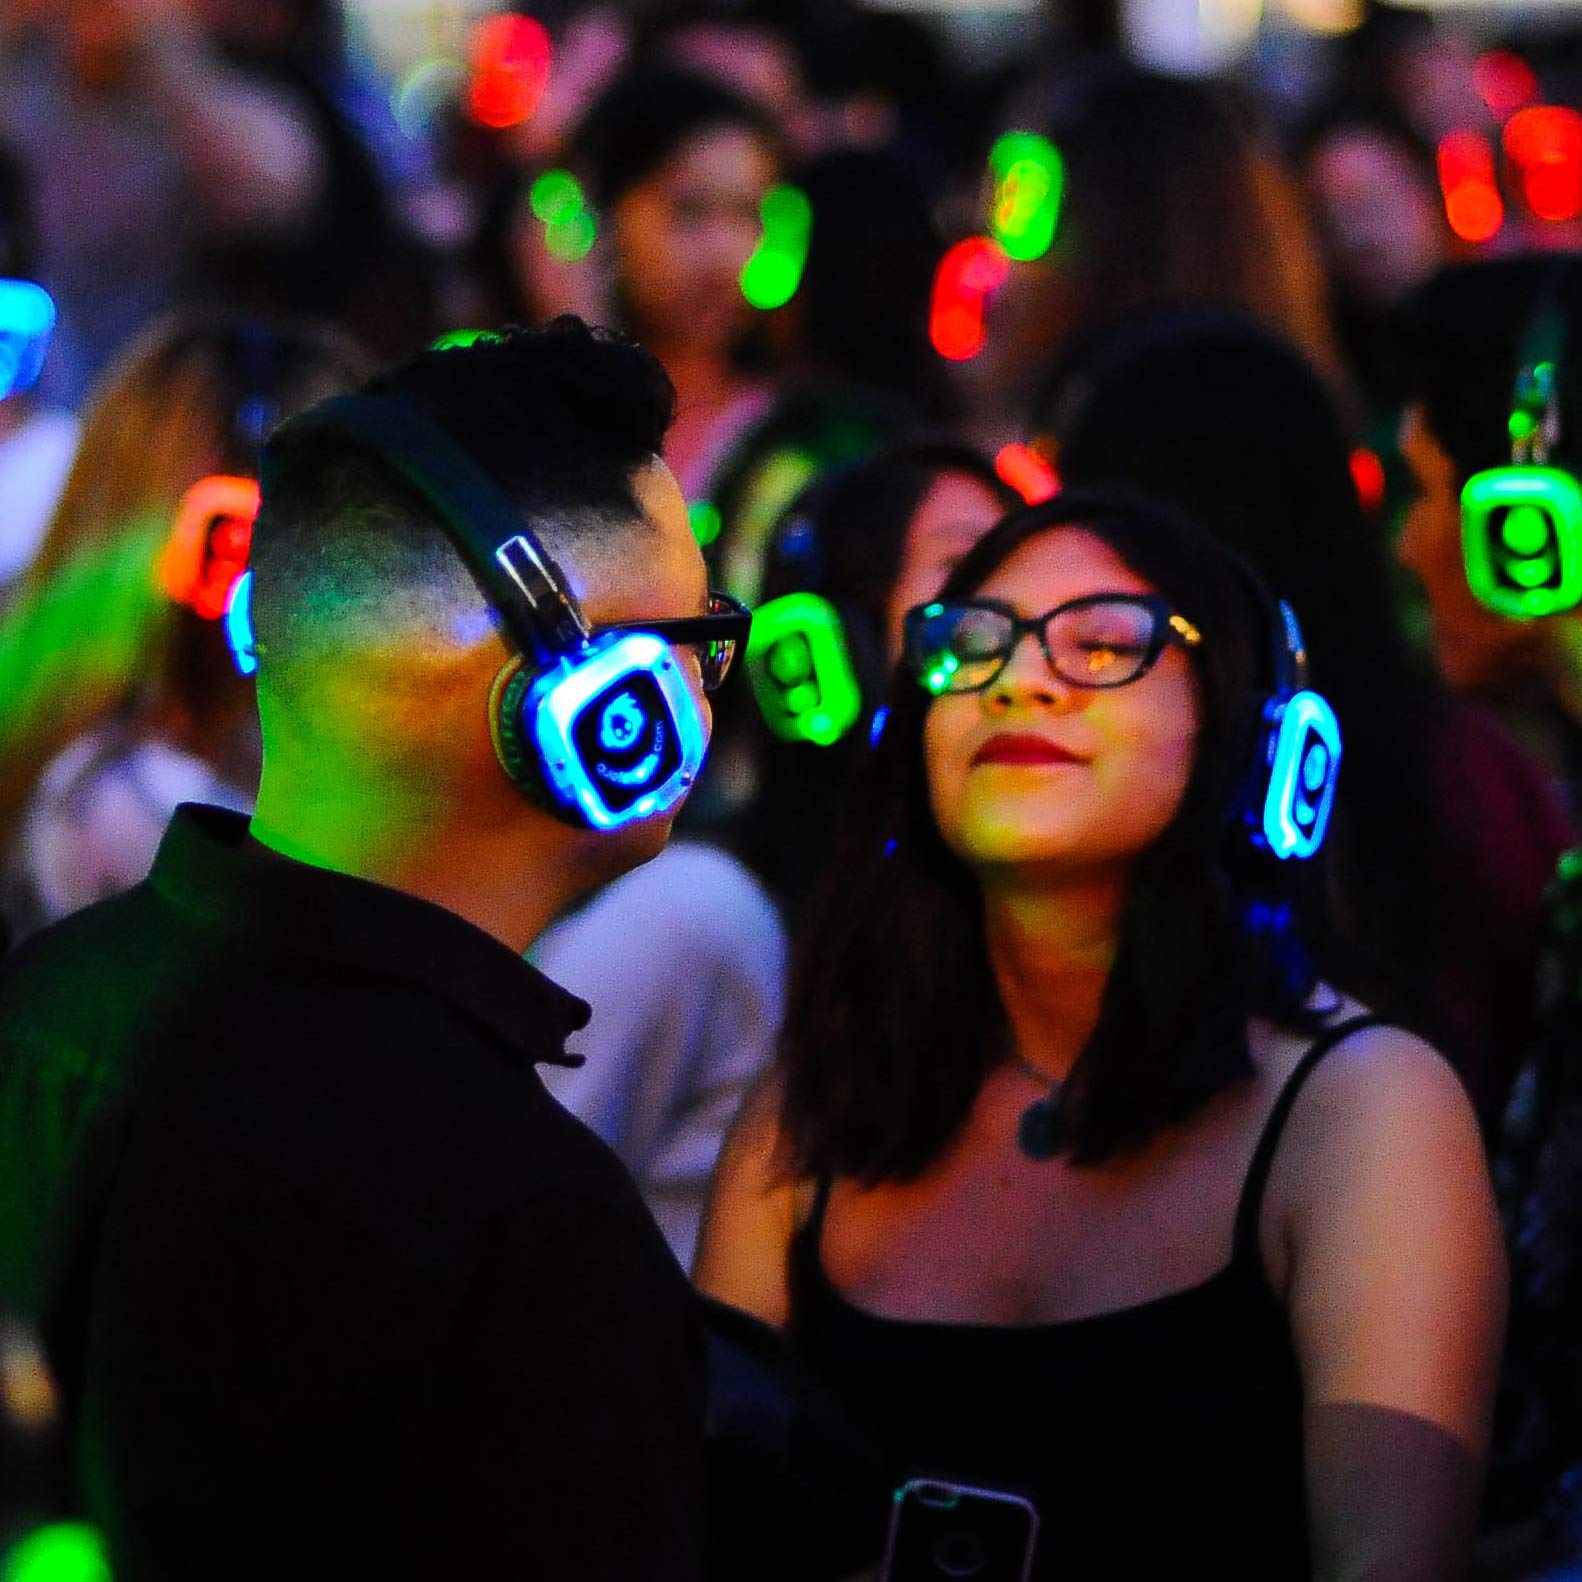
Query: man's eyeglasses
[1103, 640]
[719, 635]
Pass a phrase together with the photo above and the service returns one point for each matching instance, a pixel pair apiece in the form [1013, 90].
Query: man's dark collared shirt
[335, 1288]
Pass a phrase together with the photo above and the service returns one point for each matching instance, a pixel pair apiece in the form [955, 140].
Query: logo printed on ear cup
[625, 737]
[621, 723]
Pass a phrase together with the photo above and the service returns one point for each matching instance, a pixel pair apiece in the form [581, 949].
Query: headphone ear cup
[506, 699]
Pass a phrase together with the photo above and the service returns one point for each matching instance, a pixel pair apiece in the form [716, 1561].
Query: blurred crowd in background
[903, 277]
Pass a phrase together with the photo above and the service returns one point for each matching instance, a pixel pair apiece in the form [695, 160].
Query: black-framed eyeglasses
[719, 635]
[1101, 640]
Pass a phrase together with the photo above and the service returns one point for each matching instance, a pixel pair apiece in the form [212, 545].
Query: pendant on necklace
[1040, 1133]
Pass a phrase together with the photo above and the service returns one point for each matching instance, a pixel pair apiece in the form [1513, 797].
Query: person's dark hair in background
[352, 259]
[18, 235]
[873, 539]
[1168, 198]
[331, 1269]
[1436, 897]
[861, 312]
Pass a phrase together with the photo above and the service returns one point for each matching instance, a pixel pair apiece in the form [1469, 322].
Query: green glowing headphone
[1521, 525]
[800, 656]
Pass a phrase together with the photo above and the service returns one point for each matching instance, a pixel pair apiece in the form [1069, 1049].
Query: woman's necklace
[1040, 1133]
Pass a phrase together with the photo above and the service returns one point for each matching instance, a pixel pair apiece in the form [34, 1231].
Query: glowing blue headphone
[1296, 760]
[27, 319]
[602, 729]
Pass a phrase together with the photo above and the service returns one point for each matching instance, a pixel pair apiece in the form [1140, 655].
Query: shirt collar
[208, 865]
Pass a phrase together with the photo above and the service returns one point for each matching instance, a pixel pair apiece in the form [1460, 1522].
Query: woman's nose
[1028, 679]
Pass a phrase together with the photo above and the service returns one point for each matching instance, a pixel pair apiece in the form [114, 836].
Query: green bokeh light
[558, 202]
[572, 240]
[555, 197]
[63, 1552]
[771, 276]
[1029, 185]
[706, 522]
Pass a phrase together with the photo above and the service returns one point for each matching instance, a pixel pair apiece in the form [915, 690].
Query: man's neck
[506, 886]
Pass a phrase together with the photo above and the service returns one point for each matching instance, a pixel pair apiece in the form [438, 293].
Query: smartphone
[948, 1532]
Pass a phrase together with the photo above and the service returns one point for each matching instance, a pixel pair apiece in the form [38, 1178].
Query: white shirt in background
[683, 962]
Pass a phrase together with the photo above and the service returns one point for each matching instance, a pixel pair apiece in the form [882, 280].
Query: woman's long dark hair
[894, 1015]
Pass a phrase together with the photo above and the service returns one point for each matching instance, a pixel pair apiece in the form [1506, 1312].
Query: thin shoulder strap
[1250, 1207]
[814, 1229]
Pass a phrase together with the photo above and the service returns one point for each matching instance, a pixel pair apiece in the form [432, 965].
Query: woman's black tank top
[1156, 1441]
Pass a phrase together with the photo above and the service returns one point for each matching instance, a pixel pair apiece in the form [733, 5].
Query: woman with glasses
[1076, 1178]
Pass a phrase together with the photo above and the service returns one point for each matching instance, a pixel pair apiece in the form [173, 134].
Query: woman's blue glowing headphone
[1290, 788]
[603, 730]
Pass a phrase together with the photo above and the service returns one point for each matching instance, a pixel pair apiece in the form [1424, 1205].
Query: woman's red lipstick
[1021, 747]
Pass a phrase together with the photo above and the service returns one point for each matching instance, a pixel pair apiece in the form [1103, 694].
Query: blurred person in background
[37, 439]
[683, 962]
[1445, 836]
[869, 540]
[676, 168]
[186, 150]
[1464, 338]
[1380, 219]
[1168, 198]
[1473, 339]
[117, 701]
[1079, 1176]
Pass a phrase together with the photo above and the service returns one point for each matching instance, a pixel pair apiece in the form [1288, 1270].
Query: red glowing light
[1505, 82]
[208, 545]
[1466, 178]
[1367, 473]
[1027, 472]
[1545, 143]
[967, 274]
[511, 57]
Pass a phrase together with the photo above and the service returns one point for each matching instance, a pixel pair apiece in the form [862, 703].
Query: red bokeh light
[510, 57]
[965, 277]
[1473, 205]
[1367, 473]
[1545, 143]
[1505, 82]
[1027, 472]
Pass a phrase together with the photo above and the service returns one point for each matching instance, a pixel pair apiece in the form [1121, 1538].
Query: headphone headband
[517, 574]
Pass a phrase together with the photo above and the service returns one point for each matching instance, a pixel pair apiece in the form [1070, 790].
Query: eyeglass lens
[1105, 643]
